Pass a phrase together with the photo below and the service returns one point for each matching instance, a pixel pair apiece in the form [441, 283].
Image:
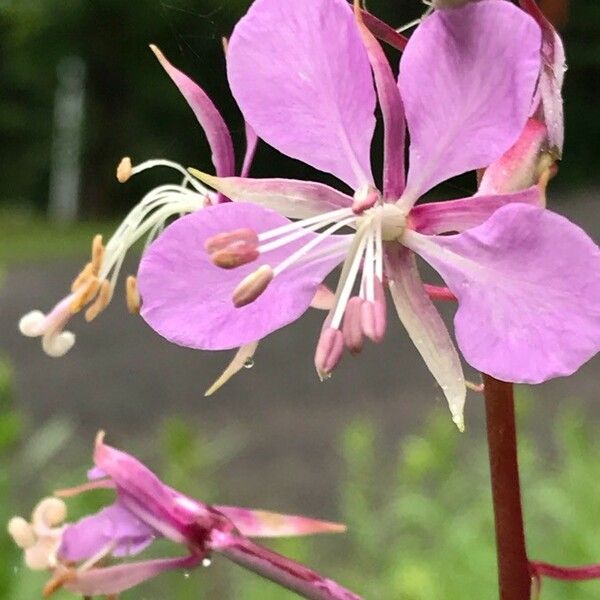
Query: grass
[29, 238]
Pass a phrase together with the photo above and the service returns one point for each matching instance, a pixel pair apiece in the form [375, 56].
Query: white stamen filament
[324, 218]
[301, 252]
[348, 276]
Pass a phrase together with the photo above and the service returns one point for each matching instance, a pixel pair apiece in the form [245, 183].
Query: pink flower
[527, 280]
[146, 509]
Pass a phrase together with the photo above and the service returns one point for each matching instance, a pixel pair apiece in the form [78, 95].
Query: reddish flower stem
[513, 567]
[585, 573]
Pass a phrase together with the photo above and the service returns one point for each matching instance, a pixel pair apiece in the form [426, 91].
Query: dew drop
[186, 575]
[206, 562]
[249, 363]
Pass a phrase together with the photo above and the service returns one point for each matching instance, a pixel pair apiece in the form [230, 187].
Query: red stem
[513, 567]
[542, 569]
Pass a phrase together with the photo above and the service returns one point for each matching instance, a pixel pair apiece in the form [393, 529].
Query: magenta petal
[187, 299]
[460, 215]
[393, 116]
[208, 116]
[300, 74]
[467, 79]
[112, 525]
[260, 523]
[114, 580]
[528, 286]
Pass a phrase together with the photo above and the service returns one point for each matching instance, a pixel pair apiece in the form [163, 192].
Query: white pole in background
[67, 140]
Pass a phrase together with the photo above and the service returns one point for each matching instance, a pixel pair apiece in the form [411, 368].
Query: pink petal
[426, 328]
[208, 116]
[528, 284]
[115, 580]
[290, 197]
[188, 300]
[522, 165]
[260, 523]
[300, 74]
[467, 79]
[462, 214]
[112, 525]
[552, 76]
[392, 112]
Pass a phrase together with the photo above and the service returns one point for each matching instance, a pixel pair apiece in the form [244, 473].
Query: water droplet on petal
[249, 363]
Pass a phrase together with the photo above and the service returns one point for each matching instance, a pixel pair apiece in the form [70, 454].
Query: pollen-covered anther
[352, 326]
[100, 303]
[330, 349]
[233, 249]
[364, 198]
[98, 251]
[252, 286]
[85, 294]
[84, 275]
[124, 170]
[132, 295]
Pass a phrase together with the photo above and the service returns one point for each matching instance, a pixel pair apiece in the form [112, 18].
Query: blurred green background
[373, 448]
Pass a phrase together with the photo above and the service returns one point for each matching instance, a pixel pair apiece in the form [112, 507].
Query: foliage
[132, 108]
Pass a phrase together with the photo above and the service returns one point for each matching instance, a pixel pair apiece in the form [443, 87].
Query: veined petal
[301, 76]
[208, 116]
[467, 79]
[290, 197]
[528, 284]
[117, 579]
[426, 328]
[391, 110]
[112, 525]
[239, 361]
[260, 523]
[459, 215]
[188, 300]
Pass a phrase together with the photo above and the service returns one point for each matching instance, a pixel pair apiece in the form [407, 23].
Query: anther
[233, 249]
[373, 315]
[85, 274]
[132, 295]
[124, 170]
[352, 326]
[101, 302]
[330, 349]
[85, 294]
[61, 576]
[252, 286]
[97, 254]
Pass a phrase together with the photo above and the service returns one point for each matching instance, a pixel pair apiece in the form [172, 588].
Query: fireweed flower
[82, 555]
[527, 280]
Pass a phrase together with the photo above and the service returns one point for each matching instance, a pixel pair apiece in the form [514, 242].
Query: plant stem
[513, 568]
